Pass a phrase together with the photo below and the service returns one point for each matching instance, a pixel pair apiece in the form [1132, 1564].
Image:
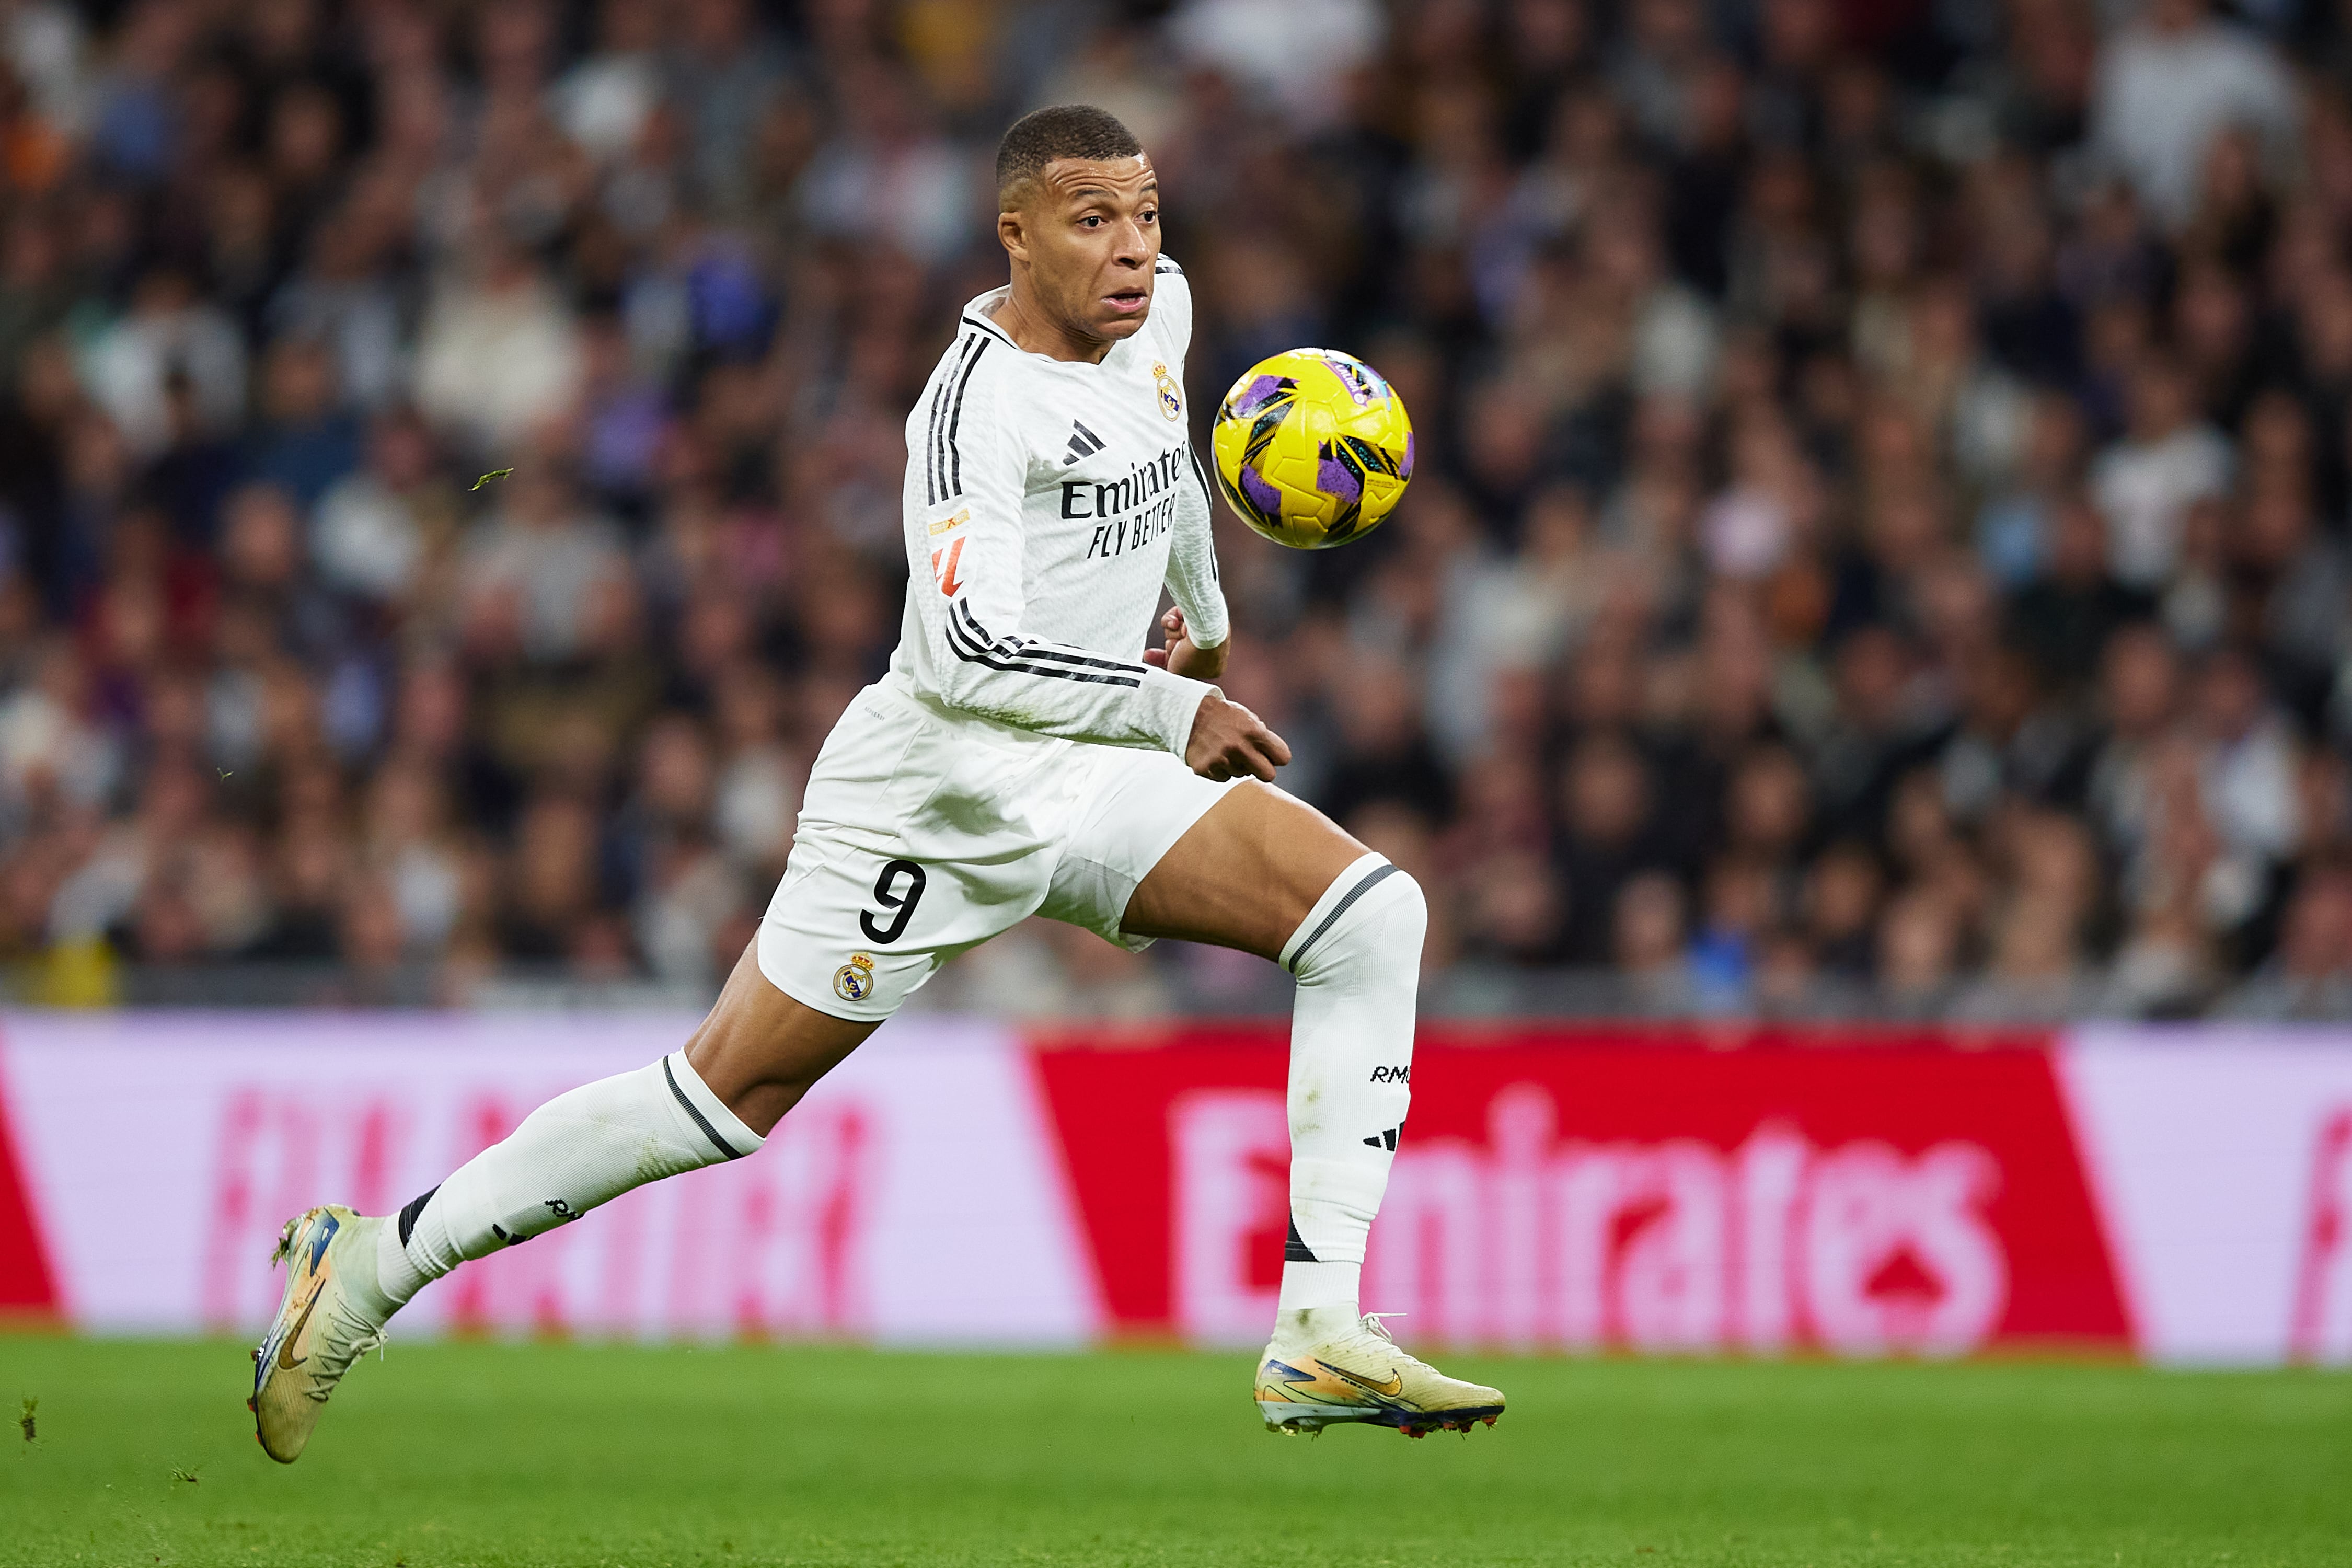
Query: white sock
[580, 1149]
[1358, 958]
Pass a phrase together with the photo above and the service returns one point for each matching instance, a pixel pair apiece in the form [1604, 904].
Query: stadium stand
[1879, 545]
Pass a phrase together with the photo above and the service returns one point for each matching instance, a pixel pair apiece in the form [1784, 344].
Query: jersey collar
[975, 314]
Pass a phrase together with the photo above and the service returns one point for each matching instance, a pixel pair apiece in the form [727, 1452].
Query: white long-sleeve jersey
[1046, 502]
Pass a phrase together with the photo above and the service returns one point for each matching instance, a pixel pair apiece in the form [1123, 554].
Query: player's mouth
[1128, 301]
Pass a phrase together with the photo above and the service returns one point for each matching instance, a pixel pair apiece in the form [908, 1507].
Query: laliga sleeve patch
[945, 564]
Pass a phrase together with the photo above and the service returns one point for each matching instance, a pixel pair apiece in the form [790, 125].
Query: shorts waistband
[899, 692]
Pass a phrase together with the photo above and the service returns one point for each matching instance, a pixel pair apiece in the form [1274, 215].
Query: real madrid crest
[1171, 402]
[853, 980]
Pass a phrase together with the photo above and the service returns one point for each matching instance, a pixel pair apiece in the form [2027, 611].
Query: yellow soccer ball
[1313, 449]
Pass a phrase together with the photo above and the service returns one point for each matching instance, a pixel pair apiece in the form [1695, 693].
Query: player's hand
[1180, 657]
[1229, 742]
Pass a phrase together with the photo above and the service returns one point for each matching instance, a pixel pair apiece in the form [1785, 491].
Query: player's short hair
[1064, 130]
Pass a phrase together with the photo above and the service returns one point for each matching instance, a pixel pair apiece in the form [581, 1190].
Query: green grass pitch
[504, 1454]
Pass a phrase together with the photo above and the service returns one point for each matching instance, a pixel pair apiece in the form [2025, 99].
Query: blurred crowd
[1880, 543]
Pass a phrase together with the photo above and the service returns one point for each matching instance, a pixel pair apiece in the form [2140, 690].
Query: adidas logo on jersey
[1084, 443]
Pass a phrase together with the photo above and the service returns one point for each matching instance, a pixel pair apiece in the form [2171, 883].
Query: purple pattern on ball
[1260, 494]
[1333, 478]
[1257, 393]
[1406, 472]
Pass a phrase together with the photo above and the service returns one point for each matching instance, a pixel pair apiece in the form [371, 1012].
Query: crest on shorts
[853, 980]
[1171, 403]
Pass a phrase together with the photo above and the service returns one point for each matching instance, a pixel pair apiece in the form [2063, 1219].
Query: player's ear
[1009, 233]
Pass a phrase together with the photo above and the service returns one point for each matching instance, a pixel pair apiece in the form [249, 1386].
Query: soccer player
[1018, 759]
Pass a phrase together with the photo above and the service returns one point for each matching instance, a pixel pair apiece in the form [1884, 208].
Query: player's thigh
[1244, 874]
[760, 1050]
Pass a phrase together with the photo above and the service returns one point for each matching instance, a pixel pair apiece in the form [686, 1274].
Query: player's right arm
[967, 478]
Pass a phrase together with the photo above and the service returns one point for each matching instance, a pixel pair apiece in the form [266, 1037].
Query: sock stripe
[1358, 891]
[700, 1121]
[408, 1215]
[1296, 1250]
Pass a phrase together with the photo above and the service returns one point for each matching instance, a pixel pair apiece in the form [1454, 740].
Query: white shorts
[924, 833]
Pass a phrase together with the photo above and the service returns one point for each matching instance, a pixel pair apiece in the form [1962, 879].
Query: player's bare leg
[760, 1051]
[750, 1061]
[1266, 874]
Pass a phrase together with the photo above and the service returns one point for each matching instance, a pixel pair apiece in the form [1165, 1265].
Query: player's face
[1091, 233]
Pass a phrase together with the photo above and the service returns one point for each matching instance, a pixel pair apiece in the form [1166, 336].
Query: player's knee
[1376, 934]
[1408, 921]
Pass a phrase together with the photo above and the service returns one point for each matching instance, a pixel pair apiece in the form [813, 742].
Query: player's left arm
[1198, 630]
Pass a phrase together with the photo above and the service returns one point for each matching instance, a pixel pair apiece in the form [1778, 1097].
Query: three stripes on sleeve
[944, 473]
[1022, 657]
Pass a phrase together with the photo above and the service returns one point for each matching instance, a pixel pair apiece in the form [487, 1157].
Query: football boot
[329, 1316]
[1361, 1374]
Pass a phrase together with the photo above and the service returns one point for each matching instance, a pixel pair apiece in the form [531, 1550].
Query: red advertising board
[1651, 1193]
[27, 1286]
[2183, 1194]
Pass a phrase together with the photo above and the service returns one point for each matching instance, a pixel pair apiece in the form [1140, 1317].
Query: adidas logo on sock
[1387, 1139]
[1084, 443]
